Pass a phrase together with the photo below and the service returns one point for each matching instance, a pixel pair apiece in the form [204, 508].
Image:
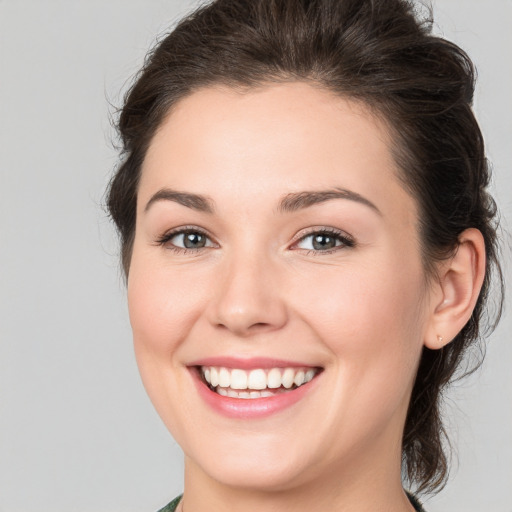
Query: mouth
[256, 383]
[250, 389]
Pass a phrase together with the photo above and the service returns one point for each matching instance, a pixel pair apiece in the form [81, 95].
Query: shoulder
[171, 507]
[415, 503]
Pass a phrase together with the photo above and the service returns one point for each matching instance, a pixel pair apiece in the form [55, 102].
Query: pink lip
[252, 363]
[254, 408]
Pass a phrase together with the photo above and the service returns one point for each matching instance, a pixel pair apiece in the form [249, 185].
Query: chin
[258, 474]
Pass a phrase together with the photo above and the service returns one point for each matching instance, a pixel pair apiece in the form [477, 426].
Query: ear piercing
[439, 338]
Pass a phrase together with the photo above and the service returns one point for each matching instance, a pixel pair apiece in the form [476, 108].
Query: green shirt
[171, 507]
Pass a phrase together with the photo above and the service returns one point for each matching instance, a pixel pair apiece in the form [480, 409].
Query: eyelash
[168, 236]
[346, 240]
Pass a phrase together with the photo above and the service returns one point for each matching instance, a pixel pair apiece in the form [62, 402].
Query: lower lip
[251, 408]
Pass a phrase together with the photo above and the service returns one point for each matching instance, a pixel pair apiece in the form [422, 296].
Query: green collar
[171, 507]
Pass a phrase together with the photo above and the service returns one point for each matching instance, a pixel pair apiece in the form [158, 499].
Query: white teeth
[258, 383]
[288, 377]
[214, 377]
[238, 379]
[274, 378]
[257, 380]
[299, 378]
[224, 378]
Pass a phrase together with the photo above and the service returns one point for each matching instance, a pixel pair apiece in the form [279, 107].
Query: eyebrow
[289, 203]
[299, 200]
[194, 201]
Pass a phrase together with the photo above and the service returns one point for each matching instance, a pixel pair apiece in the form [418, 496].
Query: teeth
[288, 377]
[257, 380]
[274, 378]
[238, 379]
[214, 377]
[224, 378]
[258, 383]
[299, 378]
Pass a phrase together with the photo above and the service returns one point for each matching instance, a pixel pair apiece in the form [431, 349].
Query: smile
[256, 383]
[253, 388]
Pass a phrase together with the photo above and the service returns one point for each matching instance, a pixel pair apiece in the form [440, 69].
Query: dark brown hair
[375, 51]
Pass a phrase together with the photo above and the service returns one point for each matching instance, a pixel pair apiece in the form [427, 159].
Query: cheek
[371, 320]
[163, 305]
[378, 298]
[372, 325]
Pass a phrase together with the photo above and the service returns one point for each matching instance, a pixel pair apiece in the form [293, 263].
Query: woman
[308, 244]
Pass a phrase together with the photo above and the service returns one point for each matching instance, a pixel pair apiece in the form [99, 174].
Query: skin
[259, 288]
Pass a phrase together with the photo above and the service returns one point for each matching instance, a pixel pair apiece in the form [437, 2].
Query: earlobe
[459, 285]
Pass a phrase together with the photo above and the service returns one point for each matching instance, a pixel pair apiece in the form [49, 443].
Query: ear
[455, 293]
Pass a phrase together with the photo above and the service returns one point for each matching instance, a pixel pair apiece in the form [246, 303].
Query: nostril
[259, 325]
[243, 330]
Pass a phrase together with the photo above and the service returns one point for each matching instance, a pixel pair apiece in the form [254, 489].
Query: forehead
[273, 140]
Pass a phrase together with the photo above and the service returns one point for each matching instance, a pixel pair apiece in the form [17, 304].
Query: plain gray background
[77, 432]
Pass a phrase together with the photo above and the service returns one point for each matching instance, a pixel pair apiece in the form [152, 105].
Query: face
[276, 291]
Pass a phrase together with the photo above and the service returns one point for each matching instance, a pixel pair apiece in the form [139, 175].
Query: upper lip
[250, 363]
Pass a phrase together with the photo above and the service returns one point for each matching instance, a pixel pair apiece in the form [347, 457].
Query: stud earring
[439, 338]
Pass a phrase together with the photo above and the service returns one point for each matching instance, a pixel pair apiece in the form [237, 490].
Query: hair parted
[377, 52]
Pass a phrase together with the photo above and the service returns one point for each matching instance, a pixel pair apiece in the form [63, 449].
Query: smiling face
[275, 249]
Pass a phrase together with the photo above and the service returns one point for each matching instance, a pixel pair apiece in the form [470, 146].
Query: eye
[189, 240]
[184, 240]
[325, 240]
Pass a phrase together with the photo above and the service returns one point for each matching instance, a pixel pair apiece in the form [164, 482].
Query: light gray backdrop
[77, 432]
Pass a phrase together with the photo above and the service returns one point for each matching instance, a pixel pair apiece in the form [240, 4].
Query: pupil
[194, 240]
[323, 242]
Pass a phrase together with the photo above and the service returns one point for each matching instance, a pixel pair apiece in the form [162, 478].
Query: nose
[249, 297]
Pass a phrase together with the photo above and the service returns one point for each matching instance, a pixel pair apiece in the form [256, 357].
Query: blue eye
[190, 240]
[319, 241]
[186, 240]
[324, 241]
